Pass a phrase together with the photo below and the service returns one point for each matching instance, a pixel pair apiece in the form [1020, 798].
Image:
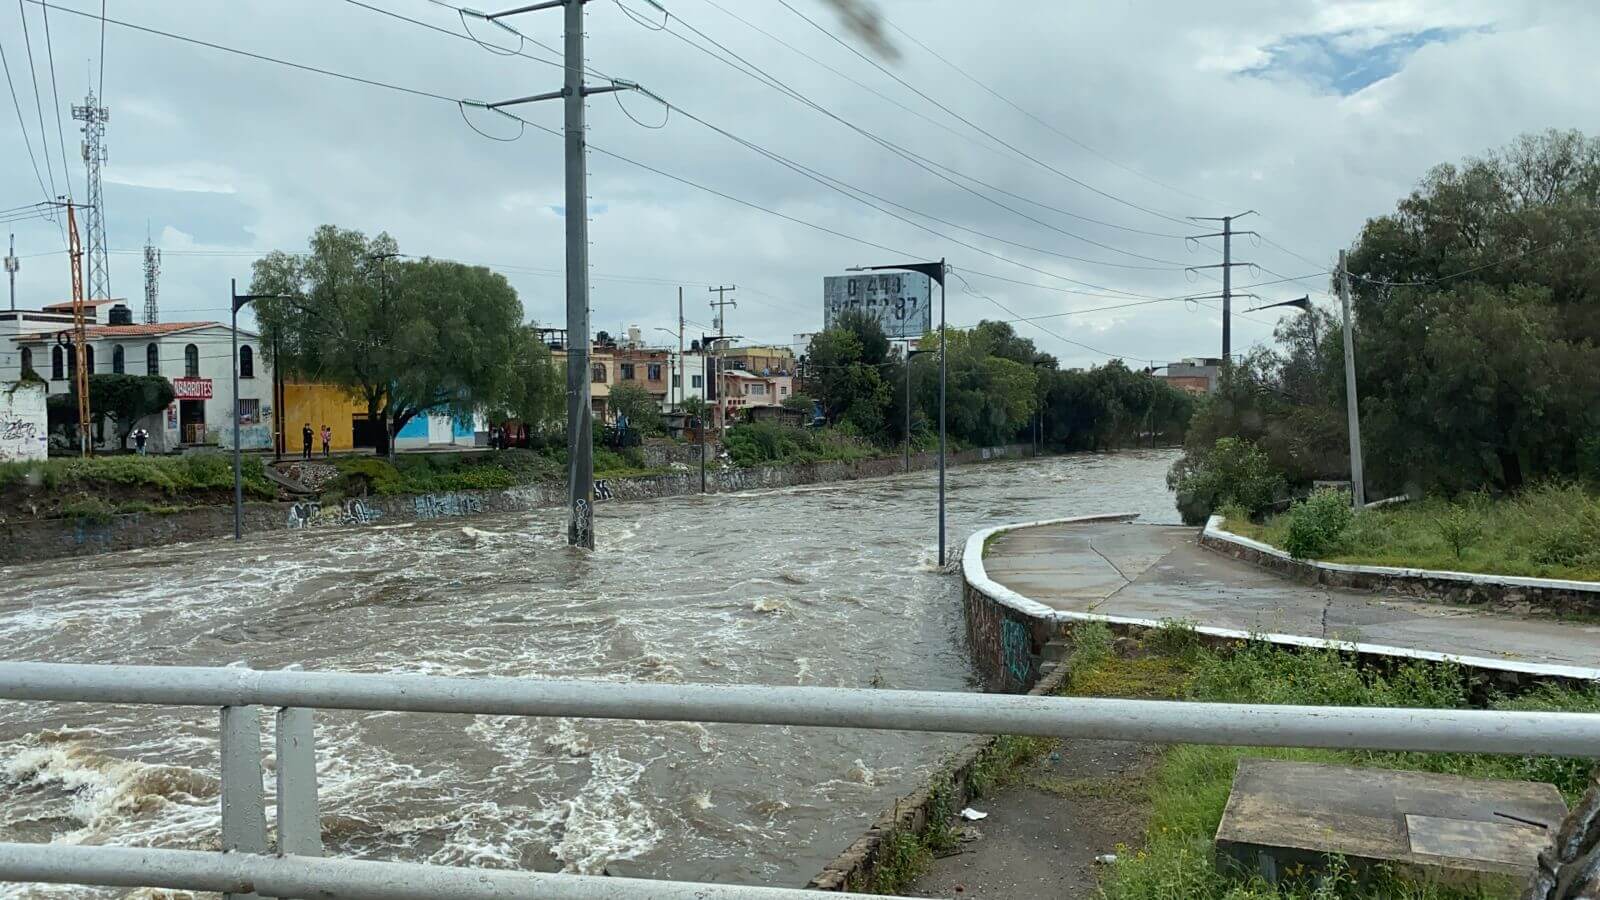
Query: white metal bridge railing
[246, 868]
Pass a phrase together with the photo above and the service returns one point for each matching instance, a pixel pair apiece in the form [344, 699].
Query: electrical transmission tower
[1227, 234]
[152, 281]
[94, 118]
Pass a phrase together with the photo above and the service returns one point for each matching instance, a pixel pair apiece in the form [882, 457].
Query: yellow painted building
[318, 405]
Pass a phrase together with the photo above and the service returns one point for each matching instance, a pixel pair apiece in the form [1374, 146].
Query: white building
[688, 377]
[195, 356]
[24, 425]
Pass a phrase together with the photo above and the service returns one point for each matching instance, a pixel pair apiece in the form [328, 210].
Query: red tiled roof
[127, 330]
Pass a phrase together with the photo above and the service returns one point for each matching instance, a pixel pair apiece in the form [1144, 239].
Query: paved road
[1152, 572]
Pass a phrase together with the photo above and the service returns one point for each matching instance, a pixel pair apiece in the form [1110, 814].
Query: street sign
[900, 301]
[191, 388]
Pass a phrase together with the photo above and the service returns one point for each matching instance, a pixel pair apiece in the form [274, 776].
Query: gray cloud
[221, 153]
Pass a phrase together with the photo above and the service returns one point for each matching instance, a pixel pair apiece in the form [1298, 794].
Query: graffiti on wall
[313, 514]
[1016, 649]
[602, 491]
[437, 506]
[24, 432]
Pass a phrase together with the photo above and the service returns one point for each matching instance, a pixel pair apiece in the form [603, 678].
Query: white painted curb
[1215, 530]
[978, 578]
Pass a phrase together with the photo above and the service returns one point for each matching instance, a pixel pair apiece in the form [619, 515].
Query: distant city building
[1195, 374]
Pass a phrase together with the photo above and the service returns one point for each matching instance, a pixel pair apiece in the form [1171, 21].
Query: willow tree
[405, 336]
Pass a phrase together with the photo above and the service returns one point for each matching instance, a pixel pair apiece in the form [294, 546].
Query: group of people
[305, 441]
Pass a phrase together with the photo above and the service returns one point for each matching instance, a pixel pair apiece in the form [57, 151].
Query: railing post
[299, 823]
[244, 818]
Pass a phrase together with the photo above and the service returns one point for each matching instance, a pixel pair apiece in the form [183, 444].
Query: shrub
[1459, 527]
[1318, 525]
[1233, 471]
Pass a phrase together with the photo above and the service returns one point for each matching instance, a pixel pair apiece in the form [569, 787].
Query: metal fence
[245, 868]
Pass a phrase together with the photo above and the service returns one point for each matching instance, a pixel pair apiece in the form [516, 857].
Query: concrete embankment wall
[1504, 592]
[24, 539]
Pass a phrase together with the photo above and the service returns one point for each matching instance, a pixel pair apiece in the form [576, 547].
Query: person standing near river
[305, 441]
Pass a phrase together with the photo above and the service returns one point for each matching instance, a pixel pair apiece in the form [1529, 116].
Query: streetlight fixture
[240, 301]
[934, 270]
[1304, 305]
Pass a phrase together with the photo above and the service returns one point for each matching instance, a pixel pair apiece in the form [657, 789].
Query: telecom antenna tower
[94, 118]
[152, 281]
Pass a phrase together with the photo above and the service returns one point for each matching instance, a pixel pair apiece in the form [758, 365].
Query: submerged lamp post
[934, 270]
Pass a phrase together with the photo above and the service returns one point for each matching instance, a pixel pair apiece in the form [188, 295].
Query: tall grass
[171, 475]
[1547, 531]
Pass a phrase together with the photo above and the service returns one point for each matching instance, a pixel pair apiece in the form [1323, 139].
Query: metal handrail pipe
[341, 879]
[1151, 721]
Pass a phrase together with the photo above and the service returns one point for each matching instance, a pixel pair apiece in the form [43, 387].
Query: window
[598, 373]
[249, 412]
[117, 360]
[88, 356]
[697, 381]
[27, 359]
[57, 364]
[677, 382]
[627, 371]
[783, 390]
[247, 363]
[760, 390]
[191, 361]
[152, 360]
[654, 371]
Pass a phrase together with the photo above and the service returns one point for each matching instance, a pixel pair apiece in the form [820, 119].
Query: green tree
[405, 336]
[847, 366]
[641, 408]
[125, 399]
[990, 398]
[535, 392]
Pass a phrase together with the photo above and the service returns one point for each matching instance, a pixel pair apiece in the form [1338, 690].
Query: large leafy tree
[535, 392]
[639, 405]
[1477, 308]
[405, 336]
[991, 383]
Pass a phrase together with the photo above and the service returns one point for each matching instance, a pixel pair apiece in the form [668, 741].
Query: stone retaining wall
[23, 540]
[1501, 592]
[913, 813]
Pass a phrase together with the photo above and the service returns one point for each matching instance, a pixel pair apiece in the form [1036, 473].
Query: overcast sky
[1316, 113]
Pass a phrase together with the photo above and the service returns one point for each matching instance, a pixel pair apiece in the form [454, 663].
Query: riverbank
[30, 539]
[1140, 823]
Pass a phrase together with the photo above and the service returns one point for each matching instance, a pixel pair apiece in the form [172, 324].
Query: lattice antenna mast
[94, 118]
[152, 281]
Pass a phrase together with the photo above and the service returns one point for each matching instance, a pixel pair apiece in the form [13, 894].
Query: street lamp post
[240, 301]
[678, 399]
[934, 270]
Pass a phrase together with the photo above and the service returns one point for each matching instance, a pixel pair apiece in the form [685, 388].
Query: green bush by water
[1233, 472]
[1317, 526]
[175, 476]
[769, 443]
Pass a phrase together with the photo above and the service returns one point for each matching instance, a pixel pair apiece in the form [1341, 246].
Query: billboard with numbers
[900, 301]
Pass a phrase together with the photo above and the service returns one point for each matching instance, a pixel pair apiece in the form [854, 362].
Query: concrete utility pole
[1226, 266]
[580, 412]
[1358, 487]
[12, 265]
[721, 305]
[683, 386]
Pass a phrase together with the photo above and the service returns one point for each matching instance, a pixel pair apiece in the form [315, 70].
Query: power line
[926, 118]
[38, 105]
[456, 34]
[55, 93]
[967, 289]
[969, 123]
[1009, 102]
[23, 125]
[934, 168]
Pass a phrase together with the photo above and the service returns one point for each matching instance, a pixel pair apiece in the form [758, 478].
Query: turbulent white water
[819, 585]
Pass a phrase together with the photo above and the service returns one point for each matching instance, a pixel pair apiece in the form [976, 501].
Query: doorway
[192, 421]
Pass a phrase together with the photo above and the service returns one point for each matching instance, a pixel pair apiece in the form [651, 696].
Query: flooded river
[821, 585]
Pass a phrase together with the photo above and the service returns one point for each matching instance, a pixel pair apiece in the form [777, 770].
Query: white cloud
[200, 178]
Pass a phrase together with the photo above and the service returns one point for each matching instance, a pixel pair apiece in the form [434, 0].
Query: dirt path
[1045, 830]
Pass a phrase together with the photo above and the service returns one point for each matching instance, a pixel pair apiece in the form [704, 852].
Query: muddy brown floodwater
[820, 585]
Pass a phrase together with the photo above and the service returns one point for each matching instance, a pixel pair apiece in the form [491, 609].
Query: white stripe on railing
[341, 879]
[1429, 730]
